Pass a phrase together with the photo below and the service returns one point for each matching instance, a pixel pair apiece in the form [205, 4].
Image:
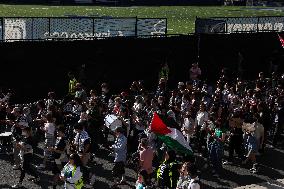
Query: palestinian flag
[281, 39]
[172, 137]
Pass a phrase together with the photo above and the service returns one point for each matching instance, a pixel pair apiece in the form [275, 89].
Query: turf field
[180, 18]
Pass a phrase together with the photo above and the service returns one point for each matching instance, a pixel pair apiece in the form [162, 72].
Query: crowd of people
[233, 114]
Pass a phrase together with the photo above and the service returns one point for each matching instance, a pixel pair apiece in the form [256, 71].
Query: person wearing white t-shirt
[194, 181]
[49, 129]
[201, 122]
[201, 117]
[137, 106]
[188, 126]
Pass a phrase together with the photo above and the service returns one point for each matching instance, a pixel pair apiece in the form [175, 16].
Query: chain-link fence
[239, 24]
[85, 28]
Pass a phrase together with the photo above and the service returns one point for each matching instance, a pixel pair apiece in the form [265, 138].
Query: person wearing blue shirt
[251, 148]
[120, 151]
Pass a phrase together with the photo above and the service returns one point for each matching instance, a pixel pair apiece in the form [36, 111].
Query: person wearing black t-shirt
[2, 117]
[17, 122]
[26, 153]
[59, 154]
[235, 137]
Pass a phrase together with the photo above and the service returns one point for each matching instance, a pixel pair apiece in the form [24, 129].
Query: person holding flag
[171, 137]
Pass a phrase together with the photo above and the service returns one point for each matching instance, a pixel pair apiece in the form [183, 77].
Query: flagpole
[197, 32]
[198, 47]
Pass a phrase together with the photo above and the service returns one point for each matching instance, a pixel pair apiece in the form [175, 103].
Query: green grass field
[180, 18]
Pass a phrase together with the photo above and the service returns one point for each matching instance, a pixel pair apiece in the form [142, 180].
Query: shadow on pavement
[240, 179]
[273, 159]
[4, 186]
[100, 184]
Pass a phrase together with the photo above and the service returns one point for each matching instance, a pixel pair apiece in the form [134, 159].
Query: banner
[240, 24]
[150, 26]
[209, 26]
[81, 28]
[1, 31]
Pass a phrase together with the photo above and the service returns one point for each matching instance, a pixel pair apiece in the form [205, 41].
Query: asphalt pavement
[271, 169]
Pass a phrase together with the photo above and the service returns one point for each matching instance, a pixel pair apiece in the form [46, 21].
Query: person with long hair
[71, 173]
[184, 178]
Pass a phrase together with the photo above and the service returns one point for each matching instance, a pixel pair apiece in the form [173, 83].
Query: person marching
[143, 180]
[164, 72]
[82, 142]
[17, 122]
[26, 155]
[168, 171]
[49, 129]
[71, 173]
[184, 178]
[72, 84]
[194, 181]
[120, 150]
[82, 145]
[251, 148]
[59, 154]
[146, 156]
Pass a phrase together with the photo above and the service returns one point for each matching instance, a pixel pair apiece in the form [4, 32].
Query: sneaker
[19, 185]
[214, 174]
[10, 153]
[41, 166]
[88, 186]
[121, 182]
[227, 163]
[254, 171]
[205, 166]
[92, 179]
[35, 180]
[16, 167]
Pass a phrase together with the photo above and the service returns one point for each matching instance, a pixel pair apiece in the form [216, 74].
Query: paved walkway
[266, 185]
